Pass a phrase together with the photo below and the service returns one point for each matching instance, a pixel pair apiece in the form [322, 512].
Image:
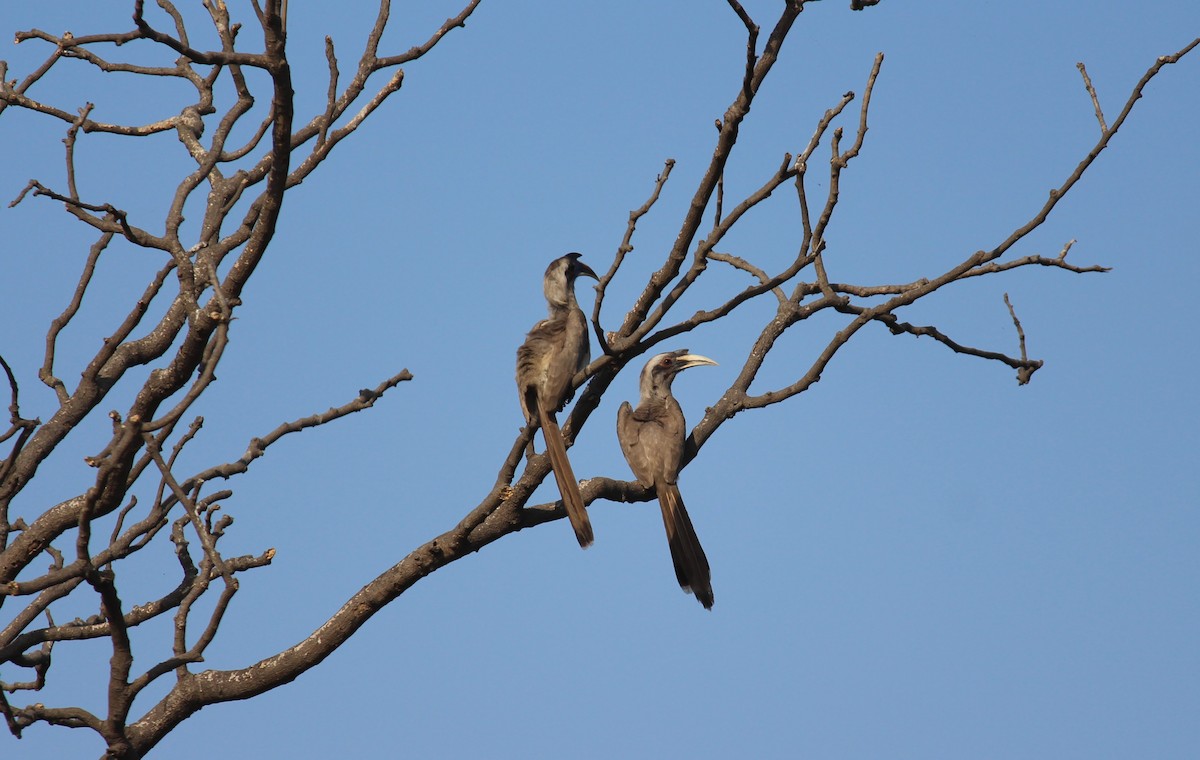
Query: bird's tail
[567, 485]
[691, 566]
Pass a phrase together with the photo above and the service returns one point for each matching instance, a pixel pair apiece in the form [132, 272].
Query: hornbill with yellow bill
[652, 437]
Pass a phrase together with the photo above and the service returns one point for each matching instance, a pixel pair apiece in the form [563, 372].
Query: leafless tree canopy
[178, 327]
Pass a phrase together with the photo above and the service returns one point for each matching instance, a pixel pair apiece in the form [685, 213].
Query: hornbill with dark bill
[556, 350]
[652, 437]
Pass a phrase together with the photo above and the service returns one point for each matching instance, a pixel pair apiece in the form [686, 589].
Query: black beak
[579, 269]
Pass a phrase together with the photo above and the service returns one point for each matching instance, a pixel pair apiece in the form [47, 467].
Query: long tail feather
[691, 565]
[567, 485]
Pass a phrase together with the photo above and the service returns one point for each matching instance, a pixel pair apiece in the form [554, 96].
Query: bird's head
[559, 282]
[662, 369]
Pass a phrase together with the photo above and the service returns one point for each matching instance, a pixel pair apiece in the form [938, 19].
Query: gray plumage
[652, 438]
[556, 350]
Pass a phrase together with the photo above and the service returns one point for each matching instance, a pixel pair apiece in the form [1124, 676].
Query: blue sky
[915, 559]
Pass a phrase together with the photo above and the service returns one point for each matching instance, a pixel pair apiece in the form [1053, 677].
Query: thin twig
[1024, 372]
[625, 248]
[1087, 82]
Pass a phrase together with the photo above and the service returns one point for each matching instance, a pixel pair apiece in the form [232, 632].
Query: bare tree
[179, 326]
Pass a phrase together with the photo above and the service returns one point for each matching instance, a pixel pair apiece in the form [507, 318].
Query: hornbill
[652, 438]
[555, 350]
